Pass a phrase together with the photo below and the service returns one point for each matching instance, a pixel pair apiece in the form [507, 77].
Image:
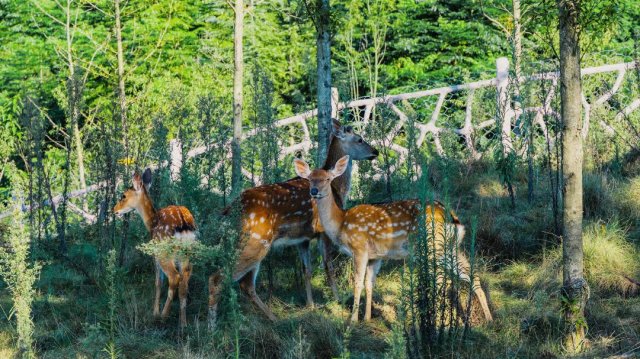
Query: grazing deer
[283, 214]
[371, 233]
[168, 222]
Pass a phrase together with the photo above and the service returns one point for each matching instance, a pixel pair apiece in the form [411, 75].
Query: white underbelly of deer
[385, 244]
[287, 241]
[186, 237]
[398, 251]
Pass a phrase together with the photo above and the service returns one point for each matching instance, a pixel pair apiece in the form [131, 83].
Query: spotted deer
[283, 214]
[371, 233]
[168, 222]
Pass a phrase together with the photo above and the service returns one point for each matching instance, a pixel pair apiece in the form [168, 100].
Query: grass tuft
[609, 260]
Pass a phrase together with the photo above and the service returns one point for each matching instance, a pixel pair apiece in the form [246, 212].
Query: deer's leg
[185, 275]
[464, 268]
[248, 285]
[156, 303]
[305, 256]
[215, 284]
[215, 280]
[257, 240]
[372, 271]
[360, 261]
[327, 260]
[482, 298]
[169, 269]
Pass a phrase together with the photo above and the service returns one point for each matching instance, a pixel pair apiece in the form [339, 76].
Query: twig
[55, 19]
[58, 128]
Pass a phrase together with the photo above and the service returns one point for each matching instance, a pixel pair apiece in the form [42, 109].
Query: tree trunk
[122, 100]
[73, 94]
[575, 290]
[80, 158]
[323, 54]
[238, 61]
[517, 51]
[517, 96]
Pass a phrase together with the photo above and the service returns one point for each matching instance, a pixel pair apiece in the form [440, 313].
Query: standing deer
[168, 222]
[371, 233]
[283, 214]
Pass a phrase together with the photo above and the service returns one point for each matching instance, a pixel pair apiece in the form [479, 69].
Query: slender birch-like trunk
[74, 104]
[323, 55]
[238, 62]
[122, 99]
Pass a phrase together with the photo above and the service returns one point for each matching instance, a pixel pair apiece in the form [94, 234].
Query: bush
[20, 276]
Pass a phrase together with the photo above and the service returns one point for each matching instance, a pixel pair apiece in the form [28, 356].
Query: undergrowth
[518, 262]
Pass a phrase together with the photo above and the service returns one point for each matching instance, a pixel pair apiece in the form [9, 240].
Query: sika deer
[170, 221]
[283, 214]
[371, 233]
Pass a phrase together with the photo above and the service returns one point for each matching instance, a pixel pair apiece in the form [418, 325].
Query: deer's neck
[147, 211]
[341, 185]
[331, 217]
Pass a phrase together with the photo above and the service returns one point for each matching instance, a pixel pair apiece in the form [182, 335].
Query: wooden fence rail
[505, 117]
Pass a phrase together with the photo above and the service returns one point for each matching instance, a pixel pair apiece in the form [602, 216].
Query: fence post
[504, 110]
[175, 162]
[335, 98]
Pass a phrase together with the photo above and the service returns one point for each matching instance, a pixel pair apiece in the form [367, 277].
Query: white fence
[505, 115]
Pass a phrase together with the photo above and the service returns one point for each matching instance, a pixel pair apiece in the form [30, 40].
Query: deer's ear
[340, 167]
[137, 181]
[146, 178]
[337, 130]
[336, 124]
[302, 168]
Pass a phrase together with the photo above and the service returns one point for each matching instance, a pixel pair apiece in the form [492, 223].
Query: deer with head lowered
[283, 214]
[371, 233]
[168, 222]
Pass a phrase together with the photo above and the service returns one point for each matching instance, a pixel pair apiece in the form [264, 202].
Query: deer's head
[319, 179]
[353, 144]
[132, 197]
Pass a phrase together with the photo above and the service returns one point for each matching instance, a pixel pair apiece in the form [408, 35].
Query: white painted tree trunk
[505, 112]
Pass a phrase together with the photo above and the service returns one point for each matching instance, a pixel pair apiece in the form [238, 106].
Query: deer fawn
[283, 214]
[371, 233]
[170, 221]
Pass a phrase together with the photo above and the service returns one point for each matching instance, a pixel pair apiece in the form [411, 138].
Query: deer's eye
[360, 140]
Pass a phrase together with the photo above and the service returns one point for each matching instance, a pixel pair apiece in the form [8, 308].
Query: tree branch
[45, 12]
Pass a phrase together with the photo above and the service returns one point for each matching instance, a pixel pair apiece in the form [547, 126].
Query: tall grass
[20, 273]
[112, 294]
[610, 261]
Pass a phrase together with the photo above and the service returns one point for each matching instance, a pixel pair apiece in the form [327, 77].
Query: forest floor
[527, 323]
[519, 263]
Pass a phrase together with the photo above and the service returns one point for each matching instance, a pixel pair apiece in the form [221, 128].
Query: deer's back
[383, 229]
[174, 221]
[280, 211]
